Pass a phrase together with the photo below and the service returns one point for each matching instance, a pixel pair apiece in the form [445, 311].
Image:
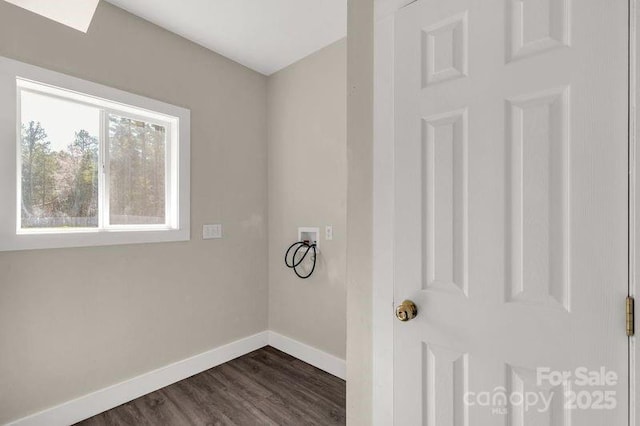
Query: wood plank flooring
[264, 387]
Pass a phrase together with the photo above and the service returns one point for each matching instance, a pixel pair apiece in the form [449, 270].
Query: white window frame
[16, 77]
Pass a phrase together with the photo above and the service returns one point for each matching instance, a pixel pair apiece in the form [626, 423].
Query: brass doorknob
[406, 311]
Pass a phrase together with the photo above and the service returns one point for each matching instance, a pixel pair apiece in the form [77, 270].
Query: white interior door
[511, 211]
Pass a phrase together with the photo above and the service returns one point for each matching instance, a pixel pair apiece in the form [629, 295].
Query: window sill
[65, 239]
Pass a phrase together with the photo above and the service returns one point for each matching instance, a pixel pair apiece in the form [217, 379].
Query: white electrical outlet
[328, 232]
[211, 231]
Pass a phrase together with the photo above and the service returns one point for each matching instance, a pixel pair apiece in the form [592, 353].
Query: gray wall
[76, 320]
[360, 211]
[308, 187]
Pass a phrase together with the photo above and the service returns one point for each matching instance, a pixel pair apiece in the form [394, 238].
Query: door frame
[383, 208]
[384, 205]
[634, 200]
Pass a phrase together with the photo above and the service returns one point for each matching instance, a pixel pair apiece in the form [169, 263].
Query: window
[86, 164]
[94, 165]
[59, 143]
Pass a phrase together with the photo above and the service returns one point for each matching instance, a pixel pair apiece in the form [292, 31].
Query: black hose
[300, 244]
[295, 264]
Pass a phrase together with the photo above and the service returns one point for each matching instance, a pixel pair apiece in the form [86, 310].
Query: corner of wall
[360, 212]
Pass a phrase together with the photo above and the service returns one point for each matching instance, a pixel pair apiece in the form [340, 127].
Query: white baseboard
[320, 359]
[96, 402]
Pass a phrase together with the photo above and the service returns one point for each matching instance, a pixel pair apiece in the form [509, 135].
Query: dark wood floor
[265, 387]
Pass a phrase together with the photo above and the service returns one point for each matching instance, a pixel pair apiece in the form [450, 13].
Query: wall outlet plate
[328, 232]
[211, 231]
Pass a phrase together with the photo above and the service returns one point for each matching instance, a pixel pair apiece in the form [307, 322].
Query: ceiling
[72, 13]
[264, 35]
